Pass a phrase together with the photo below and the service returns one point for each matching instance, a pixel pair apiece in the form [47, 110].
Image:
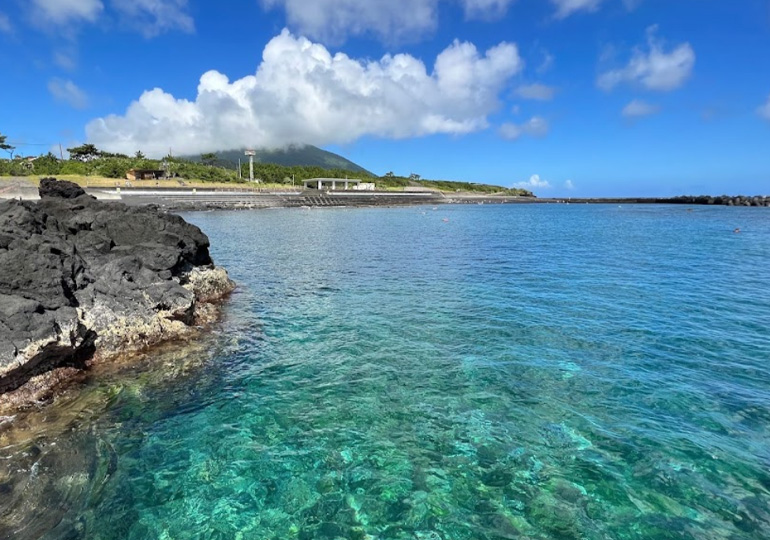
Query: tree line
[88, 160]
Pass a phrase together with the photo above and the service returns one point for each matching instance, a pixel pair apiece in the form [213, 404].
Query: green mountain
[309, 156]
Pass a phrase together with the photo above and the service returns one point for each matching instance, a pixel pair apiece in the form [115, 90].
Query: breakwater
[710, 200]
[181, 200]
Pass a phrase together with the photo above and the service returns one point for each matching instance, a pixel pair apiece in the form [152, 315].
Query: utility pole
[61, 152]
[240, 173]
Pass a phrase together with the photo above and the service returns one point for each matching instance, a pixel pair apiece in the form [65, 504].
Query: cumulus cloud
[68, 92]
[654, 69]
[534, 127]
[764, 110]
[534, 182]
[569, 185]
[536, 91]
[153, 17]
[301, 93]
[565, 8]
[66, 11]
[5, 24]
[638, 108]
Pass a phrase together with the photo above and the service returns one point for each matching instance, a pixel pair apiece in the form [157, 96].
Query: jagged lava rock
[82, 280]
[51, 187]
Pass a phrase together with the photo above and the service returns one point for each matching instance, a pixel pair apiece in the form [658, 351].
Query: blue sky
[566, 97]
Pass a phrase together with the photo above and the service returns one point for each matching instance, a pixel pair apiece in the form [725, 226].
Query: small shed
[145, 174]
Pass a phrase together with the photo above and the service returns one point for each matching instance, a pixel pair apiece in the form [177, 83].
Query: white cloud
[569, 185]
[631, 4]
[68, 92]
[335, 20]
[653, 70]
[153, 17]
[66, 11]
[638, 108]
[534, 182]
[565, 8]
[5, 24]
[303, 94]
[534, 127]
[150, 17]
[66, 59]
[764, 110]
[536, 91]
[546, 63]
[485, 9]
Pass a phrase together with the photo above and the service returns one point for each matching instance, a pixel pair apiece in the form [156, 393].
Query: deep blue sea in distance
[465, 372]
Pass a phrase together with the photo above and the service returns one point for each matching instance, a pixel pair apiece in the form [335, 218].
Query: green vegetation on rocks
[391, 181]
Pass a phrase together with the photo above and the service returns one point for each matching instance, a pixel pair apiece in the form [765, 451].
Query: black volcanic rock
[50, 187]
[82, 279]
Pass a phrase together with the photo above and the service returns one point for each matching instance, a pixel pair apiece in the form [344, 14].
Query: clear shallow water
[595, 372]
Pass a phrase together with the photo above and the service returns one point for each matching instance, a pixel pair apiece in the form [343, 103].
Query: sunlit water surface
[542, 372]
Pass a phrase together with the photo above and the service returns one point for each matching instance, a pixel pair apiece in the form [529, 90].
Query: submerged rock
[81, 280]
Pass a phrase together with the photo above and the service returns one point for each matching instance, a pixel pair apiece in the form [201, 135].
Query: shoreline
[196, 197]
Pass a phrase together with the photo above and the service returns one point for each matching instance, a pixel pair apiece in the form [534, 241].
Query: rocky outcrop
[82, 280]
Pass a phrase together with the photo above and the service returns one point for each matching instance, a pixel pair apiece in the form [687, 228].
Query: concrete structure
[365, 186]
[419, 189]
[332, 183]
[145, 174]
[251, 154]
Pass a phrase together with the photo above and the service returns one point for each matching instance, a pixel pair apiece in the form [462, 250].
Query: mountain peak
[294, 155]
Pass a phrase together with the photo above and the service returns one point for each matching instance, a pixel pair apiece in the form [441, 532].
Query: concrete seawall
[202, 199]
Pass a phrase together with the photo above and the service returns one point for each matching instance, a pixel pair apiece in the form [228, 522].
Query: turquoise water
[533, 372]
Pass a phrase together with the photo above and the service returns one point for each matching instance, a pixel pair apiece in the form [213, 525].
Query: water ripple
[593, 372]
